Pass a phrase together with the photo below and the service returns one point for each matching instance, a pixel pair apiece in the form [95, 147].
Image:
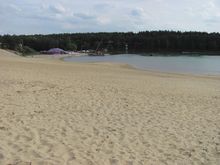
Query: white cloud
[56, 16]
[103, 20]
[57, 8]
[137, 12]
[14, 8]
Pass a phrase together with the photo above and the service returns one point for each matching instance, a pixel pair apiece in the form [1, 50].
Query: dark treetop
[142, 42]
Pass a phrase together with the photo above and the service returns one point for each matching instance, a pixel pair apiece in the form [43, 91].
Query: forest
[141, 42]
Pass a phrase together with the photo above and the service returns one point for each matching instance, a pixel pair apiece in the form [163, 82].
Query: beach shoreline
[58, 56]
[56, 112]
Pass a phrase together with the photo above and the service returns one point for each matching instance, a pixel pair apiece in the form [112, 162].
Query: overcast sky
[58, 16]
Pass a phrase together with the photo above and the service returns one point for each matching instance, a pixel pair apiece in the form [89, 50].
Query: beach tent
[56, 51]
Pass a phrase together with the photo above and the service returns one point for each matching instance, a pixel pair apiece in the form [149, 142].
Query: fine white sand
[57, 113]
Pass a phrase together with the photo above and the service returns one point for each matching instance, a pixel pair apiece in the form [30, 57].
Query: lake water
[208, 65]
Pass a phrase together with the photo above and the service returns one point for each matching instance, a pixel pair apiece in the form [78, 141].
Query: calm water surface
[209, 65]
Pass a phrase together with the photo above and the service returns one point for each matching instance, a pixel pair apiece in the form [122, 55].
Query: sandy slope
[54, 112]
[5, 53]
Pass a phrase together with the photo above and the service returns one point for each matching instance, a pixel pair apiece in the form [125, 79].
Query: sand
[60, 113]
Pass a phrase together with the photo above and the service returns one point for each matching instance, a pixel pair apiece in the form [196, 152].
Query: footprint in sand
[1, 156]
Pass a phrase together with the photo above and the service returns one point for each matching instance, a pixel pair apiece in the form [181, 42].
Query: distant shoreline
[140, 53]
[176, 53]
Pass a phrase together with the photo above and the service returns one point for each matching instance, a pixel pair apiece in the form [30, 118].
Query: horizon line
[181, 31]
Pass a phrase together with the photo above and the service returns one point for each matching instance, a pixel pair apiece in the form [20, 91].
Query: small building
[54, 51]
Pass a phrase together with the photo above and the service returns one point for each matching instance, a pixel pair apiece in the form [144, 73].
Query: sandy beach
[60, 113]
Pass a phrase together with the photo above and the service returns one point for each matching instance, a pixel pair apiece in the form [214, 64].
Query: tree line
[141, 42]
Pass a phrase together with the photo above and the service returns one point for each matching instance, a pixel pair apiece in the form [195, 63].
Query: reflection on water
[177, 64]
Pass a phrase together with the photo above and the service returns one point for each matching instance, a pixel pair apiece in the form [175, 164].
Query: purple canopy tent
[55, 51]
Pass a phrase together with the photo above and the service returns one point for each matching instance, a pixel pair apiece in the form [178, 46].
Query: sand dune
[55, 113]
[7, 53]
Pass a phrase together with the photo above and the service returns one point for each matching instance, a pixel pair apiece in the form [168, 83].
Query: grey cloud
[84, 16]
[213, 20]
[103, 6]
[137, 12]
